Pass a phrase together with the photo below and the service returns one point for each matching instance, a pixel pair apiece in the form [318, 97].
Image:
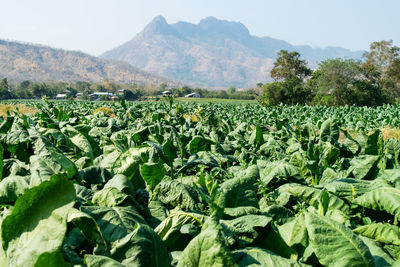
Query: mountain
[212, 53]
[21, 61]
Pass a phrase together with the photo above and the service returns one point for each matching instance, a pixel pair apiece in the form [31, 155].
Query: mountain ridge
[212, 53]
[26, 61]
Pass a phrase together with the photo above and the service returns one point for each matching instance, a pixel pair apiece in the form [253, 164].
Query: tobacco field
[188, 184]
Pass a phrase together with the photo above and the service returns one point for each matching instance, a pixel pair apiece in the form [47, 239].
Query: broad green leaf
[40, 215]
[362, 165]
[381, 257]
[65, 163]
[80, 140]
[128, 162]
[94, 176]
[12, 187]
[120, 182]
[381, 232]
[295, 233]
[54, 258]
[277, 169]
[256, 137]
[349, 188]
[114, 222]
[170, 229]
[1, 161]
[110, 197]
[141, 247]
[311, 195]
[42, 168]
[329, 130]
[336, 245]
[89, 228]
[387, 199]
[152, 174]
[101, 261]
[247, 228]
[254, 256]
[199, 143]
[157, 211]
[176, 194]
[240, 191]
[209, 248]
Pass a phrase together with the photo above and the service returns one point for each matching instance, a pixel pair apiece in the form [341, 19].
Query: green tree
[382, 64]
[381, 55]
[289, 65]
[231, 90]
[289, 91]
[5, 89]
[163, 86]
[391, 85]
[341, 82]
[289, 73]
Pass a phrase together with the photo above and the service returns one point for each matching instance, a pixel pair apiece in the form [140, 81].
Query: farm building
[98, 95]
[193, 95]
[166, 93]
[61, 96]
[122, 91]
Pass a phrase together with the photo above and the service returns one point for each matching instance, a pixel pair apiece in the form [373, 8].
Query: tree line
[372, 81]
[36, 90]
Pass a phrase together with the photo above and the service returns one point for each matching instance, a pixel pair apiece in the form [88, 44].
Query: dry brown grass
[106, 110]
[20, 108]
[390, 133]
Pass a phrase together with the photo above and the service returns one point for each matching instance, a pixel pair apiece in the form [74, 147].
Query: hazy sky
[94, 26]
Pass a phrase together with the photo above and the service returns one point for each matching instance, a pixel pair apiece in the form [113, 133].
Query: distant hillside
[20, 61]
[214, 53]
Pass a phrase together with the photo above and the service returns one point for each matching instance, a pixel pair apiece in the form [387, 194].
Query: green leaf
[199, 143]
[12, 187]
[52, 259]
[240, 191]
[295, 233]
[141, 247]
[40, 215]
[1, 161]
[101, 261]
[65, 163]
[256, 137]
[247, 228]
[176, 194]
[114, 222]
[93, 176]
[120, 182]
[381, 257]
[362, 165]
[89, 228]
[170, 229]
[80, 140]
[387, 199]
[312, 196]
[152, 174]
[42, 168]
[349, 188]
[209, 248]
[329, 130]
[381, 232]
[254, 256]
[277, 169]
[128, 162]
[110, 197]
[323, 202]
[336, 245]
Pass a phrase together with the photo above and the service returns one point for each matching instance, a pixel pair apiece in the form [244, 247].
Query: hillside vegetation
[20, 61]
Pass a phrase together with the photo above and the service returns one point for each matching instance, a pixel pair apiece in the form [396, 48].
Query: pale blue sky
[94, 26]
